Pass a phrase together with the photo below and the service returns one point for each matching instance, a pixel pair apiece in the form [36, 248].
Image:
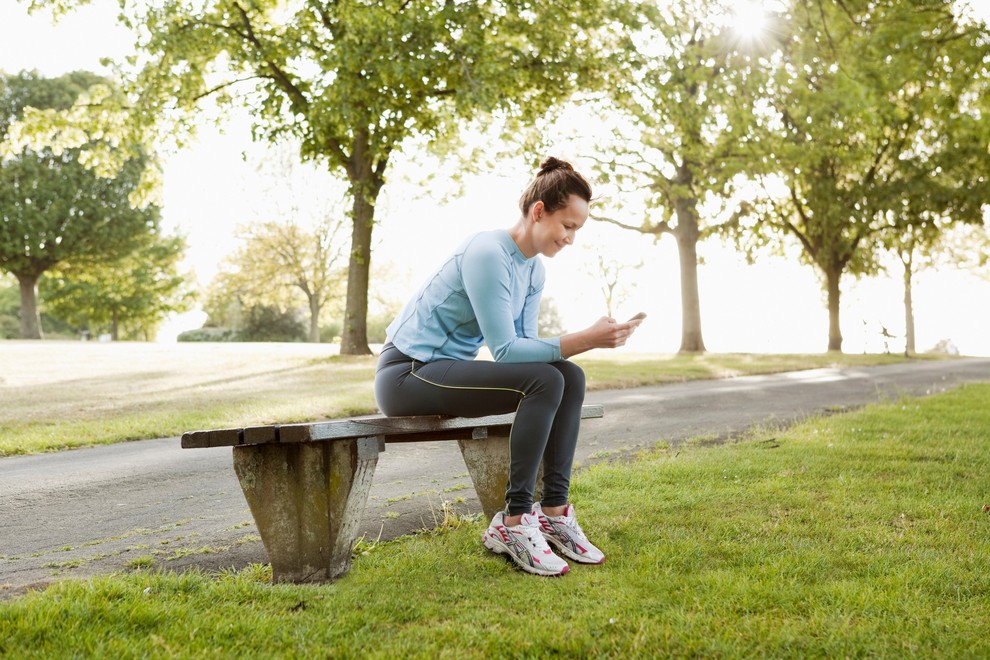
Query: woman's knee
[545, 380]
[572, 374]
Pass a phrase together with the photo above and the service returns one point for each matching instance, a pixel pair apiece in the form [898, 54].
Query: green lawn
[60, 395]
[855, 535]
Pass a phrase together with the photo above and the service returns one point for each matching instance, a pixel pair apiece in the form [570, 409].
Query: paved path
[96, 510]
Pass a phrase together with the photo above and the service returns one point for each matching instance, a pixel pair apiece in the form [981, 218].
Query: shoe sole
[500, 548]
[564, 550]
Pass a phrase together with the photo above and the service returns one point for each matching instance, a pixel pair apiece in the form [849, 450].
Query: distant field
[58, 395]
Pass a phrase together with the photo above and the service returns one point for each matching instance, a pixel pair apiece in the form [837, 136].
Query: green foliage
[283, 262]
[128, 298]
[56, 210]
[268, 323]
[10, 303]
[550, 322]
[680, 113]
[868, 107]
[353, 81]
[377, 324]
[207, 334]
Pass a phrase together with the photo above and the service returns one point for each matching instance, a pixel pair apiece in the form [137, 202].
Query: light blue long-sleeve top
[487, 291]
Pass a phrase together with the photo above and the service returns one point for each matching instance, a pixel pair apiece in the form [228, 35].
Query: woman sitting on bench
[488, 292]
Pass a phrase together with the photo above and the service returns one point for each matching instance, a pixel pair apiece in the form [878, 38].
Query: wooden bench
[307, 484]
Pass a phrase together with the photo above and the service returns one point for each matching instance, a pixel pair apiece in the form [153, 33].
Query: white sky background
[774, 306]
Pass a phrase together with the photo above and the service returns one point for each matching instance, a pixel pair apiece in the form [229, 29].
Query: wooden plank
[361, 427]
[217, 438]
[259, 435]
[393, 429]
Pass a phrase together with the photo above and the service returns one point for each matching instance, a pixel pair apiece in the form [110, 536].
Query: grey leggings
[546, 398]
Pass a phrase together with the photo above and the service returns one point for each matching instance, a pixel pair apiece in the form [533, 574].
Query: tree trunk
[832, 277]
[354, 339]
[687, 234]
[314, 318]
[908, 311]
[366, 182]
[115, 325]
[30, 316]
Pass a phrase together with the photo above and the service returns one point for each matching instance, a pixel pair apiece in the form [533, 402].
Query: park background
[852, 534]
[224, 180]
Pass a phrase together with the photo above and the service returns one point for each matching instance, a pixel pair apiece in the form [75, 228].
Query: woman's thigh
[476, 388]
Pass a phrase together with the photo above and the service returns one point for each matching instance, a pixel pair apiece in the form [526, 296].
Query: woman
[488, 292]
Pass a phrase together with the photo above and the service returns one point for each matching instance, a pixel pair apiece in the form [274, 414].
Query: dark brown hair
[553, 185]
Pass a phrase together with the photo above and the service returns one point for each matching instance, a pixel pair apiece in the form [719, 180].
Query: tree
[931, 243]
[942, 183]
[134, 294]
[10, 326]
[857, 93]
[297, 242]
[353, 81]
[268, 323]
[54, 208]
[685, 109]
[285, 255]
[550, 323]
[608, 273]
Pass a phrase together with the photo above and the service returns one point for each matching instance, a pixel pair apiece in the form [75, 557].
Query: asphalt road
[102, 509]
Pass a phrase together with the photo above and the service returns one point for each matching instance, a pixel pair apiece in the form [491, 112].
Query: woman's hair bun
[553, 185]
[550, 164]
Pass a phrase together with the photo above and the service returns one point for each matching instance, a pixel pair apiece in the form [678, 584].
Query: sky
[775, 305]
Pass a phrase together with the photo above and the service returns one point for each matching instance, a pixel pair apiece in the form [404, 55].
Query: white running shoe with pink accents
[567, 537]
[524, 544]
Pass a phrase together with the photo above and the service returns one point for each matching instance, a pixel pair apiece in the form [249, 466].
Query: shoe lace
[534, 536]
[572, 523]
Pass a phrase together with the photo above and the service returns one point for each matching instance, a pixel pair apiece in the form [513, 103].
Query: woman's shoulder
[492, 243]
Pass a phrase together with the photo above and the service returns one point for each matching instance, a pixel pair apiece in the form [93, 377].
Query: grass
[92, 393]
[859, 534]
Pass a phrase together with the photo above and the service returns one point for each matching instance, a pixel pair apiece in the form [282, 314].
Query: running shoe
[567, 537]
[524, 544]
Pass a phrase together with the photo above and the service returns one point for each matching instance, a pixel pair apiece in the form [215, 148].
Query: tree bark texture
[832, 277]
[314, 318]
[909, 347]
[354, 339]
[687, 234]
[30, 316]
[366, 182]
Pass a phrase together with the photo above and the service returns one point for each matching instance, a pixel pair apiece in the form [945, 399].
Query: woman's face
[555, 230]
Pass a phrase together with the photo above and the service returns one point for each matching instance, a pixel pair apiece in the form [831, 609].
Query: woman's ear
[536, 211]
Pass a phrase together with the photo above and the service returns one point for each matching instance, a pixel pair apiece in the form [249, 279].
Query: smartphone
[638, 317]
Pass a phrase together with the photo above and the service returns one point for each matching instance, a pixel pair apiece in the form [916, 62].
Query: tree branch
[222, 86]
[657, 230]
[789, 226]
[278, 75]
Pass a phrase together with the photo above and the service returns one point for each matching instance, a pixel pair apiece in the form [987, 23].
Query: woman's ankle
[554, 511]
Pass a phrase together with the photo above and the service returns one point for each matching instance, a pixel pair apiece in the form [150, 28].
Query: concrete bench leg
[487, 460]
[307, 500]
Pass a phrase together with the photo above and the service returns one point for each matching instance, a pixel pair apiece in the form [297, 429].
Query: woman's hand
[606, 332]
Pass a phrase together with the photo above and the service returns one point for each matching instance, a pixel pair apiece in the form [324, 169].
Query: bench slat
[393, 429]
[217, 438]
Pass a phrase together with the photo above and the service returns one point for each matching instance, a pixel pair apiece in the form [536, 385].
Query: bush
[10, 327]
[376, 327]
[330, 332]
[267, 323]
[208, 334]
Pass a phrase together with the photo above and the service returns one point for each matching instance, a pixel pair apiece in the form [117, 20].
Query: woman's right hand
[606, 332]
[609, 333]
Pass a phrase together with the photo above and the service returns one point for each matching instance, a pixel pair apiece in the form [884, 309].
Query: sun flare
[748, 18]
